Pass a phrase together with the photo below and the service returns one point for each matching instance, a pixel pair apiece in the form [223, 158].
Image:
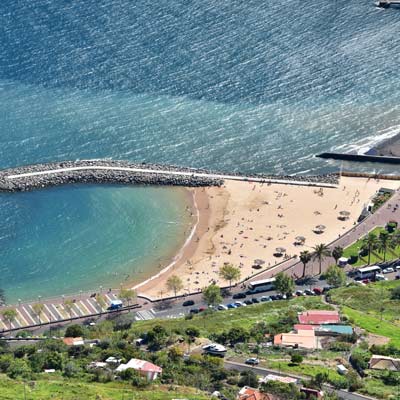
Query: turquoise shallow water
[255, 86]
[63, 240]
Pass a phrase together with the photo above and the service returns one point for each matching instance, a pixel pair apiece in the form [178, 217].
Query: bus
[261, 285]
[368, 272]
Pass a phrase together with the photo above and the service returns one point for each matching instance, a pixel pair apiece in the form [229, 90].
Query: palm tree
[320, 252]
[337, 252]
[305, 258]
[383, 243]
[369, 243]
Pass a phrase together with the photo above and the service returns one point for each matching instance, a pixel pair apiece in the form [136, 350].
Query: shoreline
[179, 255]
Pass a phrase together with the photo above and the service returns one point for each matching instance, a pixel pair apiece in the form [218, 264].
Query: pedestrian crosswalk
[52, 311]
[145, 315]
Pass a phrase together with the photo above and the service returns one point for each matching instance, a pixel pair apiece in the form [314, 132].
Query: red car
[317, 290]
[202, 309]
[366, 281]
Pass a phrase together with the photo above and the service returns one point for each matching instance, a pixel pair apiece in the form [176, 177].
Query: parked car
[231, 305]
[326, 289]
[202, 309]
[239, 304]
[380, 277]
[194, 311]
[255, 300]
[317, 291]
[188, 303]
[366, 281]
[265, 298]
[222, 307]
[252, 361]
[239, 296]
[274, 297]
[279, 297]
[299, 293]
[388, 270]
[309, 292]
[248, 302]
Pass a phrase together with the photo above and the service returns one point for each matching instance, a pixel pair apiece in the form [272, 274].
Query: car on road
[274, 297]
[222, 307]
[194, 311]
[255, 300]
[231, 305]
[299, 293]
[309, 292]
[239, 296]
[239, 304]
[318, 291]
[201, 309]
[188, 303]
[388, 270]
[248, 302]
[265, 298]
[326, 289]
[252, 361]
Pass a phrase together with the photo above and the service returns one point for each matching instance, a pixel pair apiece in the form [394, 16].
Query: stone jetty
[39, 176]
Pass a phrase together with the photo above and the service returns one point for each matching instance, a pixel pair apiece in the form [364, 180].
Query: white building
[145, 368]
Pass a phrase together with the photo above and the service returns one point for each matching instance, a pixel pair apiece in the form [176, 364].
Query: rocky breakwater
[99, 171]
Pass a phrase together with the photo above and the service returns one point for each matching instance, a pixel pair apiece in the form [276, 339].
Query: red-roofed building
[73, 341]
[317, 317]
[145, 368]
[248, 393]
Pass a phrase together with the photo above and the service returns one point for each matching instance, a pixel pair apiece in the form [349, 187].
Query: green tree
[321, 251]
[248, 378]
[229, 273]
[337, 252]
[212, 295]
[383, 243]
[335, 276]
[9, 315]
[395, 293]
[296, 358]
[38, 309]
[68, 304]
[281, 390]
[127, 295]
[74, 331]
[369, 244]
[305, 258]
[284, 284]
[175, 284]
[19, 368]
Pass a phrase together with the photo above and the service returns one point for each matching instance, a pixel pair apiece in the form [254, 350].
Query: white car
[380, 277]
[222, 307]
[388, 270]
[239, 304]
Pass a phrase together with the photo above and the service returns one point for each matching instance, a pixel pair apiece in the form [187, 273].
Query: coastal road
[342, 394]
[168, 172]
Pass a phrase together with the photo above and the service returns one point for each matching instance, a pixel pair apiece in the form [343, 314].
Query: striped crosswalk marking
[53, 317]
[91, 307]
[63, 312]
[85, 309]
[29, 316]
[3, 325]
[56, 310]
[22, 318]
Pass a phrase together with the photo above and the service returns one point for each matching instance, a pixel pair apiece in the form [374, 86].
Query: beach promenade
[83, 304]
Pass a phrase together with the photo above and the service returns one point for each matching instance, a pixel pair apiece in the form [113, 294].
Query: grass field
[371, 308]
[376, 256]
[62, 389]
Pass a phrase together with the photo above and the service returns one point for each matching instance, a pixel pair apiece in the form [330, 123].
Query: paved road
[342, 394]
[168, 172]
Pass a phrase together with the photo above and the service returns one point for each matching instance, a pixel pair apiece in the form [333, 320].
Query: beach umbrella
[280, 250]
[258, 261]
[300, 239]
[320, 227]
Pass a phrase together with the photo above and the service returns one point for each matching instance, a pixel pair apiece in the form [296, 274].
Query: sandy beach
[242, 221]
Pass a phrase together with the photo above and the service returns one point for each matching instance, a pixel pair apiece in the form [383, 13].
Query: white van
[380, 277]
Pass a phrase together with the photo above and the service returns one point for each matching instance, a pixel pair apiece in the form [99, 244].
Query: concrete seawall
[360, 158]
[39, 176]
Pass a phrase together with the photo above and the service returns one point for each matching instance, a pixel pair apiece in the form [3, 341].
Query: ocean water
[255, 86]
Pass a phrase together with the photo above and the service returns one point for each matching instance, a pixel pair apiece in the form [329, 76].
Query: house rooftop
[383, 362]
[140, 365]
[317, 317]
[73, 341]
[248, 393]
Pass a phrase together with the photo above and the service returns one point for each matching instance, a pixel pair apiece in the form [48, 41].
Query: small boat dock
[387, 3]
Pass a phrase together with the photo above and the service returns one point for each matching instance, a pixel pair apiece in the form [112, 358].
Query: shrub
[296, 358]
[74, 331]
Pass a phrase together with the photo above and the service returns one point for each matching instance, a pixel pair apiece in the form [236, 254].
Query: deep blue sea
[255, 86]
